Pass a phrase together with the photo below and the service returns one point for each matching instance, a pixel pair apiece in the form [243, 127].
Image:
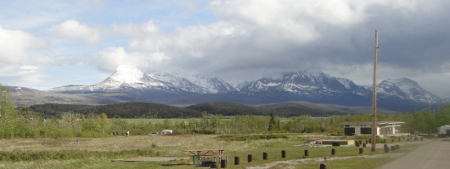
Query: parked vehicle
[153, 133]
[444, 131]
[166, 132]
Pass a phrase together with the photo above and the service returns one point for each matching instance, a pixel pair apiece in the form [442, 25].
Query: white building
[384, 128]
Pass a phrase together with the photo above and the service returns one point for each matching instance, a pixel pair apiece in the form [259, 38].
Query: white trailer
[444, 131]
[166, 132]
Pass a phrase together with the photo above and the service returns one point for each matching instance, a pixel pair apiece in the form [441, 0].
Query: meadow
[99, 152]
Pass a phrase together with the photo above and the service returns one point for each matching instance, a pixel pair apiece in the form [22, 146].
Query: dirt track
[435, 154]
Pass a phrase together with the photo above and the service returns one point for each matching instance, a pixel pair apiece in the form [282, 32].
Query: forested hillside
[123, 110]
[227, 109]
[151, 110]
[232, 109]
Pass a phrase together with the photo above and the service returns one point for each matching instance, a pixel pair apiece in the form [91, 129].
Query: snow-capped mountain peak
[407, 89]
[313, 85]
[127, 74]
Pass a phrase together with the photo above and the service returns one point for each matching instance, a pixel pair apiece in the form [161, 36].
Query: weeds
[69, 154]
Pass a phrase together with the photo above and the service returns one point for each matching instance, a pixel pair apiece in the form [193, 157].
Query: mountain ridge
[129, 84]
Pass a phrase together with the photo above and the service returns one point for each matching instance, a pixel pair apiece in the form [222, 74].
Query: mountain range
[129, 84]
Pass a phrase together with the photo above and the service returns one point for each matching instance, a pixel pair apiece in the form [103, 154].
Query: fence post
[323, 166]
[306, 153]
[250, 158]
[264, 155]
[283, 154]
[333, 151]
[236, 160]
[361, 150]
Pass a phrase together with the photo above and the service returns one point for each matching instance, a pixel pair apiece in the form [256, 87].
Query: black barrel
[250, 158]
[264, 155]
[306, 153]
[323, 166]
[213, 164]
[236, 160]
[333, 151]
[223, 163]
[361, 150]
[283, 154]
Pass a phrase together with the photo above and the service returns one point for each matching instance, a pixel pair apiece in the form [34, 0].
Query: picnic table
[207, 153]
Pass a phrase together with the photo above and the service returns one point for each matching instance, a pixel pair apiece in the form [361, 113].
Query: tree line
[152, 110]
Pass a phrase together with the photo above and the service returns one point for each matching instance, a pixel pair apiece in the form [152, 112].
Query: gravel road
[435, 154]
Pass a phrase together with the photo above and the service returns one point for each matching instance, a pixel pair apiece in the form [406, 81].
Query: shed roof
[369, 123]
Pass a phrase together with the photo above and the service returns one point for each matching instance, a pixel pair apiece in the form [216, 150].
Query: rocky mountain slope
[129, 84]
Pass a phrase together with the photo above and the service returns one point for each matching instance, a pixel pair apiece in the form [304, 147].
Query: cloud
[110, 58]
[16, 45]
[72, 29]
[20, 76]
[28, 67]
[266, 35]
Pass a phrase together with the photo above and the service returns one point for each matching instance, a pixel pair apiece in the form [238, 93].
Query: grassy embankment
[98, 152]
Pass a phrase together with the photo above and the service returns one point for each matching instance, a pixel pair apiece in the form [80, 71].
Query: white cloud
[112, 57]
[72, 29]
[135, 30]
[16, 44]
[28, 67]
[46, 60]
[20, 76]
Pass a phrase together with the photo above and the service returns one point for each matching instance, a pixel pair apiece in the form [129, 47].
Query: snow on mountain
[305, 82]
[197, 84]
[178, 81]
[302, 83]
[127, 76]
[405, 88]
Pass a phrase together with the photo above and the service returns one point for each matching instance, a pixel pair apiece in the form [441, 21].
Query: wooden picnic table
[204, 153]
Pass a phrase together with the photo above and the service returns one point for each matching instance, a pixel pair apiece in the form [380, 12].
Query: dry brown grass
[168, 145]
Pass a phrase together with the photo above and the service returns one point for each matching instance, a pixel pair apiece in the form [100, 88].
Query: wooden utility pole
[374, 96]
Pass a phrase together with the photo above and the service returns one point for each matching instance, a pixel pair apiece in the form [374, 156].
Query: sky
[50, 43]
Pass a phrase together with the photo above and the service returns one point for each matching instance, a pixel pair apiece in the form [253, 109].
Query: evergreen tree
[272, 122]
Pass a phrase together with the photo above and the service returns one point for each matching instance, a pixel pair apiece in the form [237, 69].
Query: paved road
[435, 155]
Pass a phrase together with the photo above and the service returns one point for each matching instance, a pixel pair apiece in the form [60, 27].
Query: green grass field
[100, 151]
[154, 121]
